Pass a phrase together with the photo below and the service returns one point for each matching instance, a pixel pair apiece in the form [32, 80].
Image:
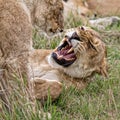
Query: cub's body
[75, 60]
[45, 77]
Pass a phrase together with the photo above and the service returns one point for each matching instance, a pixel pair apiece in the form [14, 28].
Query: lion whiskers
[81, 48]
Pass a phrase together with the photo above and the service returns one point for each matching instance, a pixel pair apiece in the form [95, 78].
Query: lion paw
[45, 88]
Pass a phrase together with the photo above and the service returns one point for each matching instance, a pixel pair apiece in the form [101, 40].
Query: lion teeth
[62, 49]
[60, 57]
[71, 49]
[64, 39]
[55, 49]
[68, 42]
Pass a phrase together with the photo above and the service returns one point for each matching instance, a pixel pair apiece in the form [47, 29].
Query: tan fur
[47, 76]
[17, 17]
[91, 8]
[46, 14]
[78, 10]
[104, 7]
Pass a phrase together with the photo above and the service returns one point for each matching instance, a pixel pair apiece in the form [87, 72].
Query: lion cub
[78, 57]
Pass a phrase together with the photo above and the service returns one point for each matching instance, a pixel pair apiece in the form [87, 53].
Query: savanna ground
[100, 100]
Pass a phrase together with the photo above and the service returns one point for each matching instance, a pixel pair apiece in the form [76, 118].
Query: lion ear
[104, 68]
[94, 39]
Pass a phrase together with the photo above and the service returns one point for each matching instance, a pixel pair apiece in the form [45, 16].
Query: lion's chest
[79, 71]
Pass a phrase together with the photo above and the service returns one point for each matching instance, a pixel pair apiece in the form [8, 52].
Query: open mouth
[64, 55]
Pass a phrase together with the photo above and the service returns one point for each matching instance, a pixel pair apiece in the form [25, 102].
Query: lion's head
[80, 54]
[47, 15]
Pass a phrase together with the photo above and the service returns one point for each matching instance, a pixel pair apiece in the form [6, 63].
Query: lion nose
[61, 30]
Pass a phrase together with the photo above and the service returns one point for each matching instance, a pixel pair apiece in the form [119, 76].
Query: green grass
[100, 100]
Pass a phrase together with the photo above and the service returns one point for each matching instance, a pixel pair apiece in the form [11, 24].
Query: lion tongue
[66, 53]
[70, 56]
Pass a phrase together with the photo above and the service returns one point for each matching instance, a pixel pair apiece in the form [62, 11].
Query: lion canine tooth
[71, 49]
[60, 57]
[55, 49]
[62, 49]
[64, 39]
[68, 42]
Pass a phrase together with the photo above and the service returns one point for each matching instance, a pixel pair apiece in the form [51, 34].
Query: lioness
[78, 57]
[17, 18]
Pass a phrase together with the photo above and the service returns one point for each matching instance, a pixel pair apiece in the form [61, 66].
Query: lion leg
[44, 88]
[15, 46]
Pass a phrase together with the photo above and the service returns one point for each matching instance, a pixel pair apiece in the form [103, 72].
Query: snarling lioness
[78, 57]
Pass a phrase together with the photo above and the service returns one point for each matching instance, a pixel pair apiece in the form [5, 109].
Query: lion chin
[78, 57]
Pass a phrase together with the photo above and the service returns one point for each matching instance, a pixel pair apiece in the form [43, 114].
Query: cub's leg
[15, 45]
[45, 86]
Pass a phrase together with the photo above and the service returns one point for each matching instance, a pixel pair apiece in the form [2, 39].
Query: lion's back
[15, 28]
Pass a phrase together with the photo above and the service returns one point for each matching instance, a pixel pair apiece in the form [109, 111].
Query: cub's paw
[44, 88]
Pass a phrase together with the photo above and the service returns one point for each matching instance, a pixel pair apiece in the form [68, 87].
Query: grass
[100, 100]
